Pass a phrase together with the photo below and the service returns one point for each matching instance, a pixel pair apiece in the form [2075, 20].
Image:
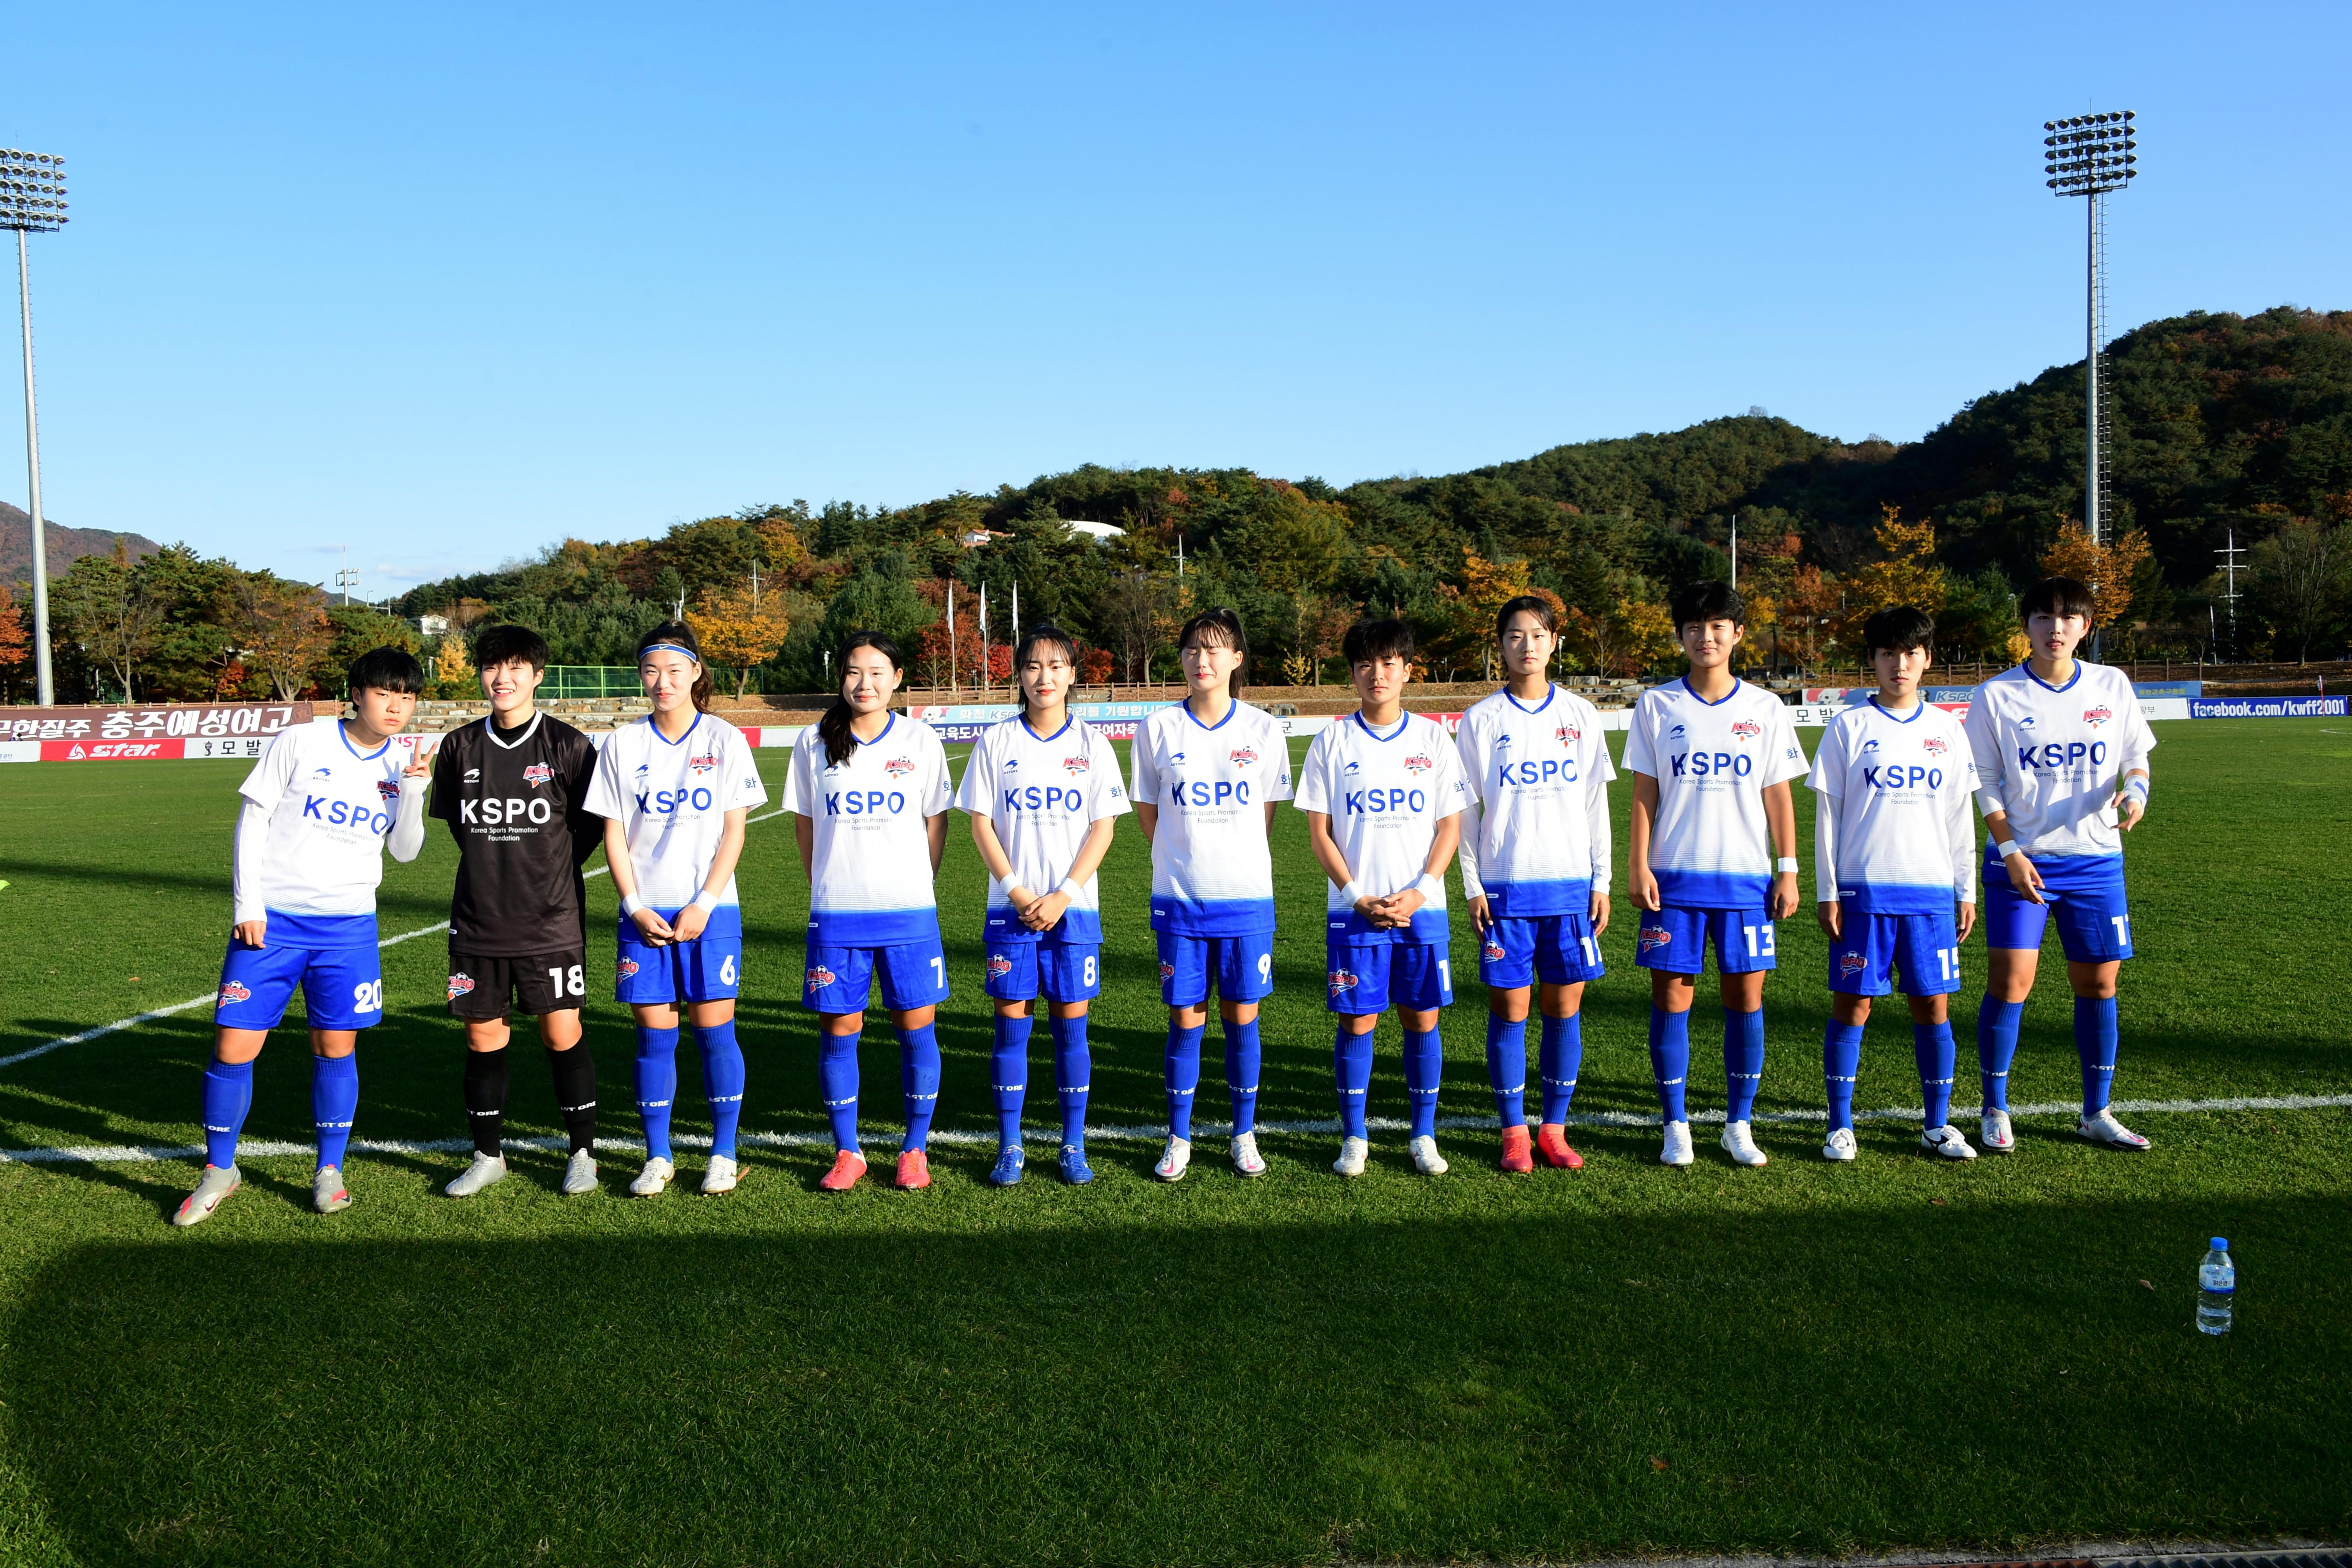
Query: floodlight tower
[2088, 156]
[33, 201]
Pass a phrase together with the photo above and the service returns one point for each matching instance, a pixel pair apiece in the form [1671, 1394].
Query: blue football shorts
[1558, 950]
[1675, 939]
[841, 979]
[2087, 901]
[342, 987]
[707, 969]
[1917, 954]
[1064, 971]
[1373, 976]
[1241, 966]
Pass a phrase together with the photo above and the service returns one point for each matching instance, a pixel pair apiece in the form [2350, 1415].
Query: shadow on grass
[1555, 1386]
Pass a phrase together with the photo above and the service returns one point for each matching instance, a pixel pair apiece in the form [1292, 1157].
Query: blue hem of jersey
[283, 928]
[1714, 889]
[872, 928]
[1532, 901]
[1430, 928]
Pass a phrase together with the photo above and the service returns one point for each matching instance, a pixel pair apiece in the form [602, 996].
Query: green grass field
[1625, 1359]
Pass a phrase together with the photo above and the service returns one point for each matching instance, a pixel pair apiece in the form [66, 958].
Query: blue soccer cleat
[1075, 1169]
[1009, 1161]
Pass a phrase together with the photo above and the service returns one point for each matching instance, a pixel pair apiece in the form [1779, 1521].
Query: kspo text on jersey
[495, 811]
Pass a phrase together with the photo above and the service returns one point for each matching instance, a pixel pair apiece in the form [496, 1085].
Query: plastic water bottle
[2217, 1288]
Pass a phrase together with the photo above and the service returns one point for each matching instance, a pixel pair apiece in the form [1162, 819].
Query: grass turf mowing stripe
[264, 1150]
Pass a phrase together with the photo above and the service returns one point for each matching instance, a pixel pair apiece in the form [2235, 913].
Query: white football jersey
[1894, 833]
[871, 858]
[1537, 839]
[1042, 794]
[2053, 757]
[1710, 848]
[1211, 872]
[671, 798]
[1385, 795]
[331, 807]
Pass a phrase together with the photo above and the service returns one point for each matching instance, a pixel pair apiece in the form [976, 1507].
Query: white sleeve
[1312, 794]
[1638, 757]
[1825, 837]
[1277, 763]
[271, 773]
[740, 787]
[1145, 786]
[940, 793]
[406, 838]
[1596, 825]
[1787, 759]
[1961, 826]
[245, 860]
[2139, 740]
[1984, 750]
[800, 777]
[604, 795]
[1467, 855]
[1449, 788]
[1108, 799]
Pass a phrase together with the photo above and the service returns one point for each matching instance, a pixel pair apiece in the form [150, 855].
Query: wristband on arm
[1786, 866]
[630, 904]
[1431, 889]
[2136, 786]
[2006, 848]
[1352, 895]
[1070, 888]
[706, 900]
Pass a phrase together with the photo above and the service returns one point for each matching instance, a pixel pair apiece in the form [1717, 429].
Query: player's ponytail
[840, 740]
[679, 635]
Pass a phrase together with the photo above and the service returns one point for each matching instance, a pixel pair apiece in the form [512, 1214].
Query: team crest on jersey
[1746, 728]
[703, 763]
[1935, 745]
[388, 789]
[1418, 765]
[537, 774]
[2095, 716]
[1851, 963]
[232, 991]
[1655, 936]
[1078, 764]
[1167, 973]
[1568, 735]
[999, 966]
[1342, 980]
[899, 767]
[1243, 757]
[460, 985]
[820, 978]
[1493, 952]
[625, 968]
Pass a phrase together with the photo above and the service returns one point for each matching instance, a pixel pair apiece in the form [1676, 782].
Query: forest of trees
[2223, 422]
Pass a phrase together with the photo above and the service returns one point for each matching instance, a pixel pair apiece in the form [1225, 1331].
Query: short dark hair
[504, 643]
[1383, 638]
[1899, 630]
[1526, 604]
[2057, 596]
[1713, 600]
[386, 669]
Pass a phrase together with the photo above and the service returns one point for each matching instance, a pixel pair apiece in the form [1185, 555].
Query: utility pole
[2230, 574]
[33, 201]
[1735, 553]
[955, 674]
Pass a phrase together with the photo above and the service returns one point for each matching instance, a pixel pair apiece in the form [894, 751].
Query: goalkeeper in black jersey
[512, 787]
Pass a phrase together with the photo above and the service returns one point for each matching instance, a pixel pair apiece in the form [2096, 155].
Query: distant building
[432, 626]
[1095, 530]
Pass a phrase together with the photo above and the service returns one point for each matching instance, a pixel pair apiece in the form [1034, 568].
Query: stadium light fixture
[33, 201]
[2089, 156]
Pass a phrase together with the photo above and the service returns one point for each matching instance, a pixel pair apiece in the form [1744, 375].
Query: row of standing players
[2053, 753]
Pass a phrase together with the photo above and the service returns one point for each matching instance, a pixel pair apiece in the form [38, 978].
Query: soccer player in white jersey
[1894, 859]
[870, 794]
[1383, 795]
[675, 789]
[1535, 870]
[1043, 793]
[1207, 774]
[320, 809]
[1711, 758]
[2062, 752]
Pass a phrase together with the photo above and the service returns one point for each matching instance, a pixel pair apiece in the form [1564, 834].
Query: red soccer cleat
[1552, 1139]
[913, 1171]
[1515, 1150]
[848, 1165]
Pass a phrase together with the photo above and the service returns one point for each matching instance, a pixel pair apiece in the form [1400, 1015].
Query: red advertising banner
[111, 750]
[188, 721]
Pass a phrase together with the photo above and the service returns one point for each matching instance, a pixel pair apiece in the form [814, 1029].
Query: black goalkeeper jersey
[517, 810]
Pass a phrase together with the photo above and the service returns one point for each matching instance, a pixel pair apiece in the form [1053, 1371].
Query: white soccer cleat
[1739, 1142]
[1678, 1149]
[486, 1171]
[2104, 1129]
[1352, 1153]
[1840, 1146]
[650, 1181]
[1998, 1136]
[720, 1175]
[212, 1191]
[1174, 1160]
[580, 1174]
[327, 1194]
[1247, 1160]
[1425, 1157]
[1946, 1140]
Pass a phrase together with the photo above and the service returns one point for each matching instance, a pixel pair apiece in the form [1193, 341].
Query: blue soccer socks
[1841, 1064]
[1183, 1067]
[656, 1086]
[1996, 1047]
[227, 1096]
[919, 1076]
[1743, 1062]
[1932, 1048]
[722, 1083]
[1507, 1069]
[1073, 1070]
[1351, 1070]
[1242, 1060]
[335, 1098]
[1424, 1066]
[836, 1082]
[2094, 1043]
[1008, 1076]
[1670, 1060]
[1559, 1058]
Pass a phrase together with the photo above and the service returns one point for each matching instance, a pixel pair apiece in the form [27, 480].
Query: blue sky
[449, 284]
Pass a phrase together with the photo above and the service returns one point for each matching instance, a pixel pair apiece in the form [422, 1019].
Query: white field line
[1152, 1133]
[133, 1022]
